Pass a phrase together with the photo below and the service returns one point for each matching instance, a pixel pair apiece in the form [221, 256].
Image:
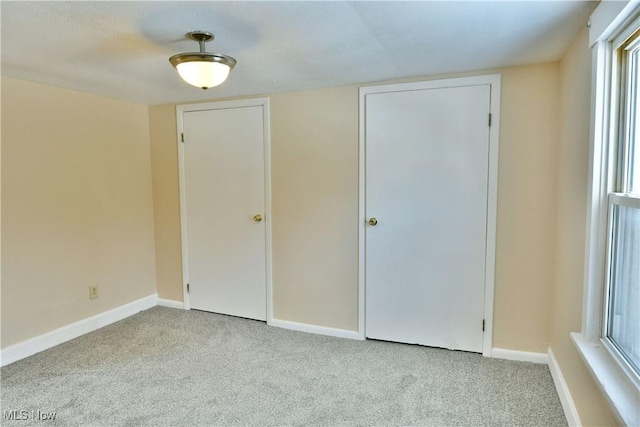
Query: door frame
[224, 105]
[493, 80]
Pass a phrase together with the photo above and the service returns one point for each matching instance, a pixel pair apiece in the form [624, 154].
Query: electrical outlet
[93, 292]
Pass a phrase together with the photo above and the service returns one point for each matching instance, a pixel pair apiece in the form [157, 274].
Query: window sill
[621, 394]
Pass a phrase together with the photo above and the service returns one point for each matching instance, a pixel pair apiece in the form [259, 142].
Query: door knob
[373, 221]
[257, 218]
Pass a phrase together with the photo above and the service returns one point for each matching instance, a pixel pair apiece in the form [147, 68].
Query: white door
[224, 191]
[427, 165]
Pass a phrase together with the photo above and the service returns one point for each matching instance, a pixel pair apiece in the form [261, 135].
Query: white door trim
[492, 191]
[254, 102]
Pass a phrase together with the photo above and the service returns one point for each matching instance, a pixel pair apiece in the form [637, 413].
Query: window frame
[614, 24]
[618, 183]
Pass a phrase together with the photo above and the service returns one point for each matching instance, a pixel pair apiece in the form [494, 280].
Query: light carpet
[172, 367]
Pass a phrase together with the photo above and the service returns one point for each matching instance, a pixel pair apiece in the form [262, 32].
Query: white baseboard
[520, 356]
[313, 329]
[50, 339]
[170, 303]
[569, 407]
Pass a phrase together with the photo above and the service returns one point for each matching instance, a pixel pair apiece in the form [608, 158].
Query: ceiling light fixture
[202, 69]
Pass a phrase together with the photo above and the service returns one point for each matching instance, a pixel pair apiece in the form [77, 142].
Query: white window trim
[620, 387]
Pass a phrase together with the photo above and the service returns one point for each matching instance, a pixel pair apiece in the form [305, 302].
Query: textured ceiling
[121, 49]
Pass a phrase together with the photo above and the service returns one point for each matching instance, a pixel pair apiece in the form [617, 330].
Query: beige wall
[525, 247]
[314, 168]
[76, 207]
[573, 153]
[314, 143]
[164, 159]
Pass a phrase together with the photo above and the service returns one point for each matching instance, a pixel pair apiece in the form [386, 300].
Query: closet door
[427, 165]
[224, 208]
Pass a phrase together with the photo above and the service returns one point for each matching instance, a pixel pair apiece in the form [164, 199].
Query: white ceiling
[121, 49]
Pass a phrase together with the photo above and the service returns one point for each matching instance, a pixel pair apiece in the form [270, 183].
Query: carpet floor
[169, 367]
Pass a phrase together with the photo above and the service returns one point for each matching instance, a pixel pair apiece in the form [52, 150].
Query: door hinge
[188, 292]
[182, 136]
[482, 321]
[489, 119]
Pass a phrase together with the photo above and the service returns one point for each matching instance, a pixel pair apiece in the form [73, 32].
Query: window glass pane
[624, 310]
[634, 150]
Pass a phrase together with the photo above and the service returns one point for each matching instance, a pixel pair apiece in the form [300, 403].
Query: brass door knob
[257, 218]
[373, 221]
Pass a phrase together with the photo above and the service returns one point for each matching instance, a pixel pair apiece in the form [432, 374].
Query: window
[610, 339]
[621, 314]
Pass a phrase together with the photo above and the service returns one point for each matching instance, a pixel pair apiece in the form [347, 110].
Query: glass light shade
[204, 74]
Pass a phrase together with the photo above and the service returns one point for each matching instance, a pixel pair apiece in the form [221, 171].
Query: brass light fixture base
[199, 36]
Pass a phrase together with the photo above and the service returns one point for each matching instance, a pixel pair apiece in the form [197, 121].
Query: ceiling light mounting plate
[198, 35]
